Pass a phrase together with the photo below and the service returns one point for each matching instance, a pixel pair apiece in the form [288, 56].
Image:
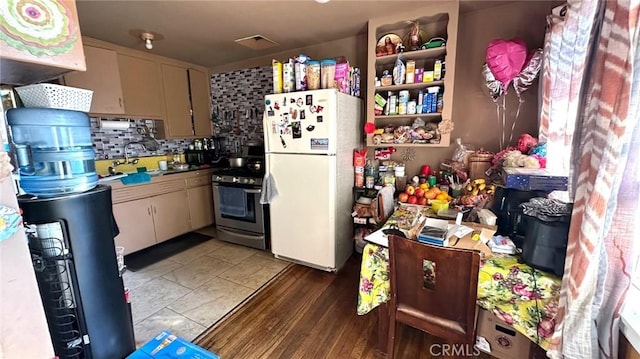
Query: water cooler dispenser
[53, 150]
[70, 231]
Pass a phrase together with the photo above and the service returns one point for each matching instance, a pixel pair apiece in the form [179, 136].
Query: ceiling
[202, 32]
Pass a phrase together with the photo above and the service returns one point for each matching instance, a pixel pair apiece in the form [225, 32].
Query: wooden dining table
[523, 297]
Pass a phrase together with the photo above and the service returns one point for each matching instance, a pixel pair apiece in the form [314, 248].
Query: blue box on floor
[168, 346]
[534, 179]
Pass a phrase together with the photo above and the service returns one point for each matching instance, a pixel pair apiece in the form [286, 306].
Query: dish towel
[233, 201]
[269, 190]
[135, 178]
[386, 194]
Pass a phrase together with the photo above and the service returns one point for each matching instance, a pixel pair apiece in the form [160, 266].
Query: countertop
[156, 176]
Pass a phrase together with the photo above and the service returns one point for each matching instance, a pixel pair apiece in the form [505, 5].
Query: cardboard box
[168, 346]
[504, 341]
[277, 76]
[477, 239]
[411, 69]
[534, 179]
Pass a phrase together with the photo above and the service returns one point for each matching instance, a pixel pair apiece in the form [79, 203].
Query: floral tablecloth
[523, 297]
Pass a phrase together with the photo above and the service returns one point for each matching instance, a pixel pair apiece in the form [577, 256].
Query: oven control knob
[235, 180]
[252, 181]
[218, 178]
[245, 180]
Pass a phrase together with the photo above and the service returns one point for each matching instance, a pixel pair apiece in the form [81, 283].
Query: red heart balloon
[505, 59]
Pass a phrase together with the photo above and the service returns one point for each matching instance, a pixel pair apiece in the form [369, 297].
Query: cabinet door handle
[154, 209]
[120, 101]
[149, 210]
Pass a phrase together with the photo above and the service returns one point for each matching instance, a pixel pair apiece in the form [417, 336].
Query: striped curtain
[566, 51]
[603, 142]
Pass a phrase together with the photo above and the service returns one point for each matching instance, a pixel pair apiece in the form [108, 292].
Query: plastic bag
[399, 72]
[460, 152]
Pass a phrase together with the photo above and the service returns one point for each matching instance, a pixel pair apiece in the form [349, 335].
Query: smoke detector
[256, 42]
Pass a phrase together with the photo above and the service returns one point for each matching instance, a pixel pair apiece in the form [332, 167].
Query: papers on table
[451, 230]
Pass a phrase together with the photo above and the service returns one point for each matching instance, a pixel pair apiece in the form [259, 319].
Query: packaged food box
[359, 157]
[418, 75]
[381, 101]
[277, 76]
[411, 68]
[288, 77]
[427, 76]
[341, 77]
[168, 346]
[301, 76]
[534, 179]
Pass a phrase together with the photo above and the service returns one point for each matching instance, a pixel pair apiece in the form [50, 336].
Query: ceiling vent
[257, 42]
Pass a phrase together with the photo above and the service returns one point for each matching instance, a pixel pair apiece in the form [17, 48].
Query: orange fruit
[430, 194]
[436, 190]
[441, 197]
[424, 186]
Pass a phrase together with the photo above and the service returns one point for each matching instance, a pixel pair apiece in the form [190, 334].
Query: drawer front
[199, 180]
[136, 192]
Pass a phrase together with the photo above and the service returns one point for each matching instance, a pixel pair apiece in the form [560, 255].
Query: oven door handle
[235, 233]
[253, 191]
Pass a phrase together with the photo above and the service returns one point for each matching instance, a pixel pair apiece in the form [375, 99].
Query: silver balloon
[492, 87]
[525, 78]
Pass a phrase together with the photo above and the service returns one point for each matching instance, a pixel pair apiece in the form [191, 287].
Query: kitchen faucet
[126, 156]
[127, 161]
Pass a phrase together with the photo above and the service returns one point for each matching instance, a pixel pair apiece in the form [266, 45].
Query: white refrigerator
[309, 141]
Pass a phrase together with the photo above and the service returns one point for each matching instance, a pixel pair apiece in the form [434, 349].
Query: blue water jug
[54, 150]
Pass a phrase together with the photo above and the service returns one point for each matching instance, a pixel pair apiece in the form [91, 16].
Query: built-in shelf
[412, 55]
[409, 145]
[437, 18]
[412, 86]
[425, 115]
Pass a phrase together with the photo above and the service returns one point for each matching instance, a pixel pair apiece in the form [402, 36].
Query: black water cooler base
[78, 274]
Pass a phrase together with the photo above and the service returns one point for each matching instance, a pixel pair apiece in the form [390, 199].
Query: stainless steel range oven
[240, 218]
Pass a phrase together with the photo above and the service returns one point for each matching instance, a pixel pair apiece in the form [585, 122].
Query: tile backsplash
[238, 103]
[109, 143]
[240, 93]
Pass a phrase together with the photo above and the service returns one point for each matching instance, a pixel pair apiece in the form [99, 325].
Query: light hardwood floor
[307, 313]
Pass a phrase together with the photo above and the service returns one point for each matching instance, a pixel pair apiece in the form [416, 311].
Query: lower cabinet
[145, 222]
[200, 206]
[170, 215]
[135, 222]
[168, 207]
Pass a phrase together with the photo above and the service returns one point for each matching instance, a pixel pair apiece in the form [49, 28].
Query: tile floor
[190, 291]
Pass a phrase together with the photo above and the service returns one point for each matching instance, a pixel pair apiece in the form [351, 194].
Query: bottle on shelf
[437, 70]
[369, 175]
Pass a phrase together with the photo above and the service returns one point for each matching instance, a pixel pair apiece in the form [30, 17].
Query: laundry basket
[55, 96]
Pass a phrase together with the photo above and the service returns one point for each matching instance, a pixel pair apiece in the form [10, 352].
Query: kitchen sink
[152, 173]
[111, 178]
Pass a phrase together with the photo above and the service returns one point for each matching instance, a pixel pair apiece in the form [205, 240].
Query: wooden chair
[443, 305]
